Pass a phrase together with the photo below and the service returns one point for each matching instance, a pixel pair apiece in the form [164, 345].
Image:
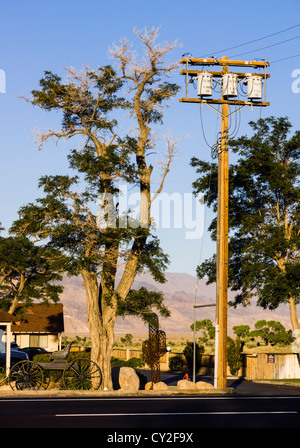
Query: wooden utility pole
[254, 99]
[222, 245]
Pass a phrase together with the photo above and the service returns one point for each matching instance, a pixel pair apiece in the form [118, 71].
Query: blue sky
[39, 35]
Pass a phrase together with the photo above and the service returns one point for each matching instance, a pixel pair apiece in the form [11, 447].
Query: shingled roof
[41, 319]
[6, 317]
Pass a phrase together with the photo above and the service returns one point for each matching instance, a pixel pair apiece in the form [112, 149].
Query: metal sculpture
[154, 348]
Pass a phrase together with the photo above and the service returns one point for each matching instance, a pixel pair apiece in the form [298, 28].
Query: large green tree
[81, 215]
[264, 216]
[27, 272]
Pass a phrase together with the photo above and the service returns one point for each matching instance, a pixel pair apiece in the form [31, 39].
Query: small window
[33, 340]
[43, 341]
[38, 340]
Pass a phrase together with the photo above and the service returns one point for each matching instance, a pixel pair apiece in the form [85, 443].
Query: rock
[160, 386]
[156, 386]
[128, 379]
[185, 384]
[203, 385]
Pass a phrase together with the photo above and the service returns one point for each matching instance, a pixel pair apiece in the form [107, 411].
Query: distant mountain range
[179, 292]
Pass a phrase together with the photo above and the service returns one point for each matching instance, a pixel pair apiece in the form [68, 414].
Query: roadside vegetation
[265, 336]
[270, 336]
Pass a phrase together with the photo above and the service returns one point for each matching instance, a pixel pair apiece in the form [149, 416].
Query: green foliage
[72, 356]
[264, 215]
[176, 363]
[272, 332]
[28, 272]
[2, 373]
[208, 330]
[141, 303]
[89, 238]
[78, 104]
[242, 332]
[132, 362]
[41, 358]
[234, 355]
[189, 355]
[127, 340]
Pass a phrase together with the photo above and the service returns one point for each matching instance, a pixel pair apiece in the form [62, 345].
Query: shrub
[72, 356]
[127, 340]
[189, 355]
[132, 362]
[135, 362]
[41, 358]
[234, 355]
[176, 363]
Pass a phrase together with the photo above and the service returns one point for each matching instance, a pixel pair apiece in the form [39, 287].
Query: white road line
[151, 414]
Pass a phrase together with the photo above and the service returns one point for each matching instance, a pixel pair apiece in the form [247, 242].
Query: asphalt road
[152, 412]
[251, 406]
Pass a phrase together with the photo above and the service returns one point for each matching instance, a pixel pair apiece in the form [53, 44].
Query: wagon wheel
[82, 374]
[26, 375]
[46, 378]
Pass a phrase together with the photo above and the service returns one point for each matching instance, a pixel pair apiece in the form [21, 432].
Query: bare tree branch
[165, 165]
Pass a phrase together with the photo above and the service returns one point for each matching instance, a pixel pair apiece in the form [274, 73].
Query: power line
[268, 46]
[255, 40]
[284, 59]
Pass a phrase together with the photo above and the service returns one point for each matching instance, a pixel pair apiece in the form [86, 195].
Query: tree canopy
[28, 272]
[264, 215]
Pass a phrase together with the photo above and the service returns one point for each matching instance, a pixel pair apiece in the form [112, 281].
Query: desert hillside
[179, 293]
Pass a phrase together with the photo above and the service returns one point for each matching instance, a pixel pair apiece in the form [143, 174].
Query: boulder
[128, 379]
[204, 385]
[185, 384]
[156, 386]
[160, 386]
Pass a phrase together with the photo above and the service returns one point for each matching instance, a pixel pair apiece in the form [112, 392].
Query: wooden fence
[271, 366]
[259, 366]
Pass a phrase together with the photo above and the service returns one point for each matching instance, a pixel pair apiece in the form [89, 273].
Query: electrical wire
[204, 228]
[202, 127]
[284, 59]
[268, 46]
[255, 40]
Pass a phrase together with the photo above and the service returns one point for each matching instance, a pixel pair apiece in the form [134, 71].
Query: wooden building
[39, 326]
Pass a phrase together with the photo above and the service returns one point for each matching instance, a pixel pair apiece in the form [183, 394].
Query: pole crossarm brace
[215, 61]
[204, 306]
[230, 102]
[219, 74]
